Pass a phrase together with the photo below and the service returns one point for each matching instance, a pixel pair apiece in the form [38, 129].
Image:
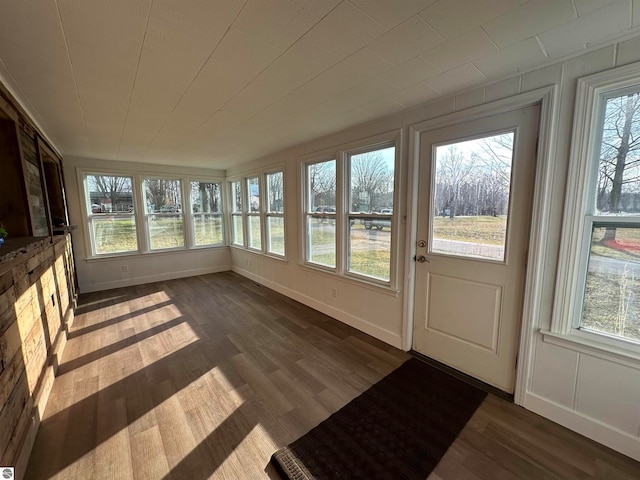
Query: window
[163, 212]
[254, 238]
[110, 205]
[349, 213]
[206, 207]
[606, 214]
[320, 213]
[612, 224]
[275, 213]
[371, 177]
[236, 214]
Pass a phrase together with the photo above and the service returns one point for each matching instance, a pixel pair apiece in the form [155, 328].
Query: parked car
[379, 222]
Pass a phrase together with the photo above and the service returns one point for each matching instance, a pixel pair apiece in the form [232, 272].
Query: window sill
[353, 280]
[169, 251]
[589, 343]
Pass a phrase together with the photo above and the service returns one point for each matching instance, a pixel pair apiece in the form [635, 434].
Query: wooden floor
[206, 377]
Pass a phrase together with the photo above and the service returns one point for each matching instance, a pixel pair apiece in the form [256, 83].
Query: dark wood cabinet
[32, 199]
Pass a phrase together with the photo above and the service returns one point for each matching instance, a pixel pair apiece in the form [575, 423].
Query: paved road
[614, 266]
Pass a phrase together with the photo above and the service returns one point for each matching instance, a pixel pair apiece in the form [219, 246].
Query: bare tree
[454, 169]
[110, 187]
[322, 183]
[275, 189]
[371, 181]
[619, 155]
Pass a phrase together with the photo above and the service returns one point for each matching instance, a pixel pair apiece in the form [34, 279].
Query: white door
[475, 194]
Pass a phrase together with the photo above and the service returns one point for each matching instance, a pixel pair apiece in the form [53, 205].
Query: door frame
[547, 97]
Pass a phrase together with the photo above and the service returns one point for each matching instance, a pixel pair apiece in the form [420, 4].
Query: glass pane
[275, 192]
[166, 230]
[110, 194]
[114, 234]
[236, 197]
[162, 196]
[612, 296]
[238, 230]
[322, 241]
[253, 191]
[208, 229]
[371, 177]
[321, 184]
[206, 197]
[470, 198]
[276, 235]
[618, 188]
[255, 240]
[369, 250]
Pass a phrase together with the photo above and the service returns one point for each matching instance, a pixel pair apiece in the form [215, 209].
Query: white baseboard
[129, 282]
[375, 331]
[618, 440]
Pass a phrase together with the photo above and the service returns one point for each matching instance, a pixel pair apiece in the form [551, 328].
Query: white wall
[592, 392]
[106, 273]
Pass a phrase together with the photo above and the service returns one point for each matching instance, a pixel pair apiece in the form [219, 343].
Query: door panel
[474, 210]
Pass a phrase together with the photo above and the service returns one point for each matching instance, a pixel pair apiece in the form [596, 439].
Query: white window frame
[233, 213]
[89, 216]
[591, 95]
[140, 215]
[191, 222]
[250, 215]
[185, 228]
[341, 155]
[268, 214]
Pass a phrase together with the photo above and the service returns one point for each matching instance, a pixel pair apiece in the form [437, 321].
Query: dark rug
[398, 429]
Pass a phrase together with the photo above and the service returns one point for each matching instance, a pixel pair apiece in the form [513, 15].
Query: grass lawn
[481, 229]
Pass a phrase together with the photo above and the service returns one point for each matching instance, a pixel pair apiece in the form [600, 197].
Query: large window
[605, 215]
[141, 214]
[275, 213]
[371, 176]
[320, 213]
[612, 290]
[258, 214]
[163, 209]
[349, 212]
[206, 207]
[237, 228]
[254, 235]
[112, 223]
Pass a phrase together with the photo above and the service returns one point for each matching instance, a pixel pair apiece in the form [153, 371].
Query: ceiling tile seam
[373, 19]
[204, 122]
[542, 47]
[135, 79]
[195, 77]
[575, 8]
[489, 37]
[73, 74]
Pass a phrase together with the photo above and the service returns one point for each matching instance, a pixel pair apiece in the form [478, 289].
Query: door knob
[422, 259]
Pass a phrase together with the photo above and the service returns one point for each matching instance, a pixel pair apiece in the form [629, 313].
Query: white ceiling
[215, 83]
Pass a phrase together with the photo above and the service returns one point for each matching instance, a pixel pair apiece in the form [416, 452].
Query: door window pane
[612, 295]
[470, 197]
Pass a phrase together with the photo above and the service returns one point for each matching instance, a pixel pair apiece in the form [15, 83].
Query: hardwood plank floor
[206, 377]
